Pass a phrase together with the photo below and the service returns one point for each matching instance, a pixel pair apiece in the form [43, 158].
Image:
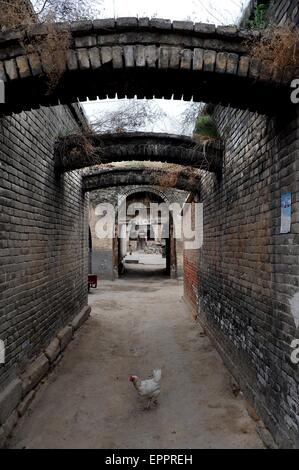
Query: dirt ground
[138, 324]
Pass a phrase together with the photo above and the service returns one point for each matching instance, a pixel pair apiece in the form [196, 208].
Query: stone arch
[71, 153]
[145, 58]
[131, 176]
[172, 246]
[147, 188]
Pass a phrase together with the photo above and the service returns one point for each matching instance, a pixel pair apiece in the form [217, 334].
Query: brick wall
[191, 278]
[280, 12]
[247, 271]
[43, 241]
[191, 272]
[283, 11]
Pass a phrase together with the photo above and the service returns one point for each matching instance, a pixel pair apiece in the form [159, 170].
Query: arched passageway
[142, 237]
[247, 292]
[145, 243]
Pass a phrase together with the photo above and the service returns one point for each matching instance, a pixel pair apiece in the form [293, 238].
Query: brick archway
[144, 188]
[179, 178]
[71, 153]
[171, 243]
[144, 58]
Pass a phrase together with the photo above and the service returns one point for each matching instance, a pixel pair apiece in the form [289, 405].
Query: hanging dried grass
[278, 44]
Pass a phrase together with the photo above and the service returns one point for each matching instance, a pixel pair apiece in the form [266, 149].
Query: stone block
[252, 413]
[243, 66]
[228, 31]
[254, 68]
[140, 56]
[81, 26]
[2, 73]
[53, 350]
[129, 56]
[106, 55]
[35, 372]
[209, 61]
[39, 29]
[11, 69]
[10, 36]
[2, 438]
[86, 41]
[232, 64]
[117, 57]
[126, 22]
[265, 436]
[94, 57]
[10, 424]
[158, 23]
[175, 58]
[198, 59]
[65, 336]
[35, 64]
[72, 60]
[104, 24]
[83, 59]
[81, 318]
[186, 59]
[183, 25]
[205, 28]
[221, 61]
[151, 56]
[9, 399]
[23, 66]
[24, 405]
[143, 22]
[164, 57]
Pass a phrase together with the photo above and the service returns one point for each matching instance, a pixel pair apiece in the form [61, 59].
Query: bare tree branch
[129, 116]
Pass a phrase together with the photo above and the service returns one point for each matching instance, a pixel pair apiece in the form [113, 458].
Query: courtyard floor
[138, 324]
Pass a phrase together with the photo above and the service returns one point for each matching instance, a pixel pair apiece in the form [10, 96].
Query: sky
[208, 11]
[212, 11]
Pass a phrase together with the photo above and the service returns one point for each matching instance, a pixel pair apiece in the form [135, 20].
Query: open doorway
[148, 249]
[144, 245]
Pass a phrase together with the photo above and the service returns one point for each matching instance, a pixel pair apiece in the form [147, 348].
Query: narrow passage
[137, 325]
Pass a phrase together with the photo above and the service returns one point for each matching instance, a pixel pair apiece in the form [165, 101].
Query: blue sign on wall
[286, 212]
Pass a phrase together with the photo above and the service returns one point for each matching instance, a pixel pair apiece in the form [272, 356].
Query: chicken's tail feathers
[157, 374]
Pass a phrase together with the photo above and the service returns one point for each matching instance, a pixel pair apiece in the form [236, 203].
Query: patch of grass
[260, 20]
[206, 128]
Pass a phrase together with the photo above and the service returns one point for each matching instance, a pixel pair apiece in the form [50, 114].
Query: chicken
[149, 388]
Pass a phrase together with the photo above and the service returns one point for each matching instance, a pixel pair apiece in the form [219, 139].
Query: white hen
[149, 388]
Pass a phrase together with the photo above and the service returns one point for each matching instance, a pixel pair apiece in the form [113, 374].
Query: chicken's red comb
[132, 377]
